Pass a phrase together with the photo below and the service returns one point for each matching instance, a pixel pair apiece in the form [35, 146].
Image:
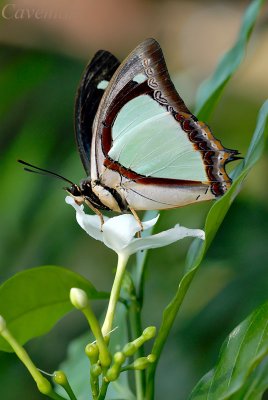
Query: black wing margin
[102, 67]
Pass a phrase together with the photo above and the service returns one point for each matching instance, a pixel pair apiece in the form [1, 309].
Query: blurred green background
[41, 64]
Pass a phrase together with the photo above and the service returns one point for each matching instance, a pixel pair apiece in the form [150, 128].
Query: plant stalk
[136, 330]
[42, 383]
[115, 292]
[168, 319]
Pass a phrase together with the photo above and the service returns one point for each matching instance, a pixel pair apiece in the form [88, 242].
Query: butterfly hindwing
[99, 71]
[145, 143]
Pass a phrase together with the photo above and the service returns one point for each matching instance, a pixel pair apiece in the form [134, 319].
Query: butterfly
[141, 147]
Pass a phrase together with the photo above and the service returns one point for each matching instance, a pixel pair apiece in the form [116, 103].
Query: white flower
[118, 233]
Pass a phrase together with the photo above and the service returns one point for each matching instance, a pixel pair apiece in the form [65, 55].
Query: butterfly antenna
[42, 171]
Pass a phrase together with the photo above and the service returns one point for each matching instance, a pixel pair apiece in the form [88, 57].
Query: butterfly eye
[86, 187]
[74, 190]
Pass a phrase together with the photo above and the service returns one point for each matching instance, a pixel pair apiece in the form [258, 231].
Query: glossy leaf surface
[33, 301]
[256, 384]
[244, 348]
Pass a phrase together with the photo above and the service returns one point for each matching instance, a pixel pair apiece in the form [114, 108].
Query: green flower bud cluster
[131, 347]
[100, 359]
[129, 350]
[111, 372]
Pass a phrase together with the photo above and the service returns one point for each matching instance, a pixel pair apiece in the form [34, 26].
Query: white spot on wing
[103, 85]
[140, 78]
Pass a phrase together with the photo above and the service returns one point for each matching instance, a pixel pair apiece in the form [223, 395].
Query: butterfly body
[141, 147]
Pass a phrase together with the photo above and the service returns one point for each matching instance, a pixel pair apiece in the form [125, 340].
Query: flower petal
[90, 223]
[150, 223]
[162, 239]
[119, 231]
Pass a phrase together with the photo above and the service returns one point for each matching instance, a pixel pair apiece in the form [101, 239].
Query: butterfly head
[76, 192]
[82, 193]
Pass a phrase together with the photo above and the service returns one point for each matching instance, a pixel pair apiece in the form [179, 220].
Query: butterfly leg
[96, 211]
[136, 218]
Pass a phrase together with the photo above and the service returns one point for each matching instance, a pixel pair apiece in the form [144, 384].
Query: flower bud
[95, 370]
[92, 351]
[119, 358]
[149, 332]
[78, 298]
[151, 358]
[141, 363]
[129, 349]
[112, 373]
[60, 378]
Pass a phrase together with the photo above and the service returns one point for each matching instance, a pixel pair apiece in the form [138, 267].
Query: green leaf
[211, 89]
[241, 352]
[213, 221]
[33, 301]
[256, 384]
[76, 366]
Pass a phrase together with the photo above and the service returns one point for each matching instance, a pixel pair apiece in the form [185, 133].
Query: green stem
[103, 390]
[168, 319]
[94, 383]
[69, 391]
[115, 292]
[105, 357]
[43, 385]
[136, 330]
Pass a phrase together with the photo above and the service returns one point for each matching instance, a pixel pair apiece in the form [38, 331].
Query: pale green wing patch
[140, 78]
[103, 84]
[149, 141]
